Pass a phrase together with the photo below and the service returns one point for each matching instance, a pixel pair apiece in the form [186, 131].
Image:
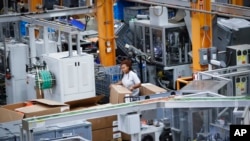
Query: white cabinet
[17, 59]
[70, 78]
[74, 76]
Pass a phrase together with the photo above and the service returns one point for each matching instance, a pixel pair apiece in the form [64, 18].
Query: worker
[130, 80]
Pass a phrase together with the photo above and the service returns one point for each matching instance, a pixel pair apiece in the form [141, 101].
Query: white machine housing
[74, 76]
[241, 85]
[31, 86]
[40, 49]
[238, 54]
[16, 86]
[158, 15]
[152, 131]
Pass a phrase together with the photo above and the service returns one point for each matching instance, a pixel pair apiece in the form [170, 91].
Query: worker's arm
[137, 82]
[135, 86]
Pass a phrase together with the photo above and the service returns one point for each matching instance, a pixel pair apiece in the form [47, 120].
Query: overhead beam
[51, 24]
[232, 10]
[49, 14]
[221, 9]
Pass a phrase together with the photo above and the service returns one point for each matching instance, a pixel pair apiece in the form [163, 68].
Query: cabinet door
[70, 76]
[86, 75]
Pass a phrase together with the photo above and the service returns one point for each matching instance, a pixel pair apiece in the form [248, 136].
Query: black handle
[78, 63]
[75, 64]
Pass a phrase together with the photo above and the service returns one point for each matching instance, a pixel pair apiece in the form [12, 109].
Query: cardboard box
[84, 103]
[106, 134]
[117, 94]
[126, 137]
[103, 122]
[9, 115]
[148, 89]
[39, 107]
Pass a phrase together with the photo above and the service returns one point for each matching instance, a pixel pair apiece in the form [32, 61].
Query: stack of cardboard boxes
[105, 129]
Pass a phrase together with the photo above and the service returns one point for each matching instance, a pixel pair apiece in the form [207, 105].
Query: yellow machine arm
[201, 32]
[238, 2]
[105, 20]
[33, 4]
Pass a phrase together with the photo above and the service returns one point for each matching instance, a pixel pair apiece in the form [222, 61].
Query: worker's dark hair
[127, 63]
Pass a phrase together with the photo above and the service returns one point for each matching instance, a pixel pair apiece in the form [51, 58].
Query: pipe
[78, 44]
[222, 112]
[70, 45]
[32, 44]
[45, 40]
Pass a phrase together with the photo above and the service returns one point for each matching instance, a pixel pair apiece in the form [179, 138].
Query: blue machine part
[77, 24]
[22, 25]
[118, 9]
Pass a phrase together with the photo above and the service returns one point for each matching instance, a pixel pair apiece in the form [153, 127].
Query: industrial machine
[14, 60]
[63, 130]
[237, 78]
[168, 46]
[10, 131]
[74, 76]
[74, 3]
[196, 86]
[230, 32]
[238, 54]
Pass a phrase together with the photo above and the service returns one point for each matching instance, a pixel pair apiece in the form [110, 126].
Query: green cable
[45, 81]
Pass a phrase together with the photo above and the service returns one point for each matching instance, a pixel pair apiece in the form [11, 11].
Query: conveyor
[165, 102]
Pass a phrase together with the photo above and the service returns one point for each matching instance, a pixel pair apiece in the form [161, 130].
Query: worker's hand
[131, 88]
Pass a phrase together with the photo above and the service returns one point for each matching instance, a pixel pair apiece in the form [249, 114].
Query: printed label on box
[115, 123]
[115, 129]
[117, 135]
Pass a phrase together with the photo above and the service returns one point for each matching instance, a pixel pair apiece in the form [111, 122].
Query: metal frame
[146, 24]
[216, 8]
[227, 74]
[48, 14]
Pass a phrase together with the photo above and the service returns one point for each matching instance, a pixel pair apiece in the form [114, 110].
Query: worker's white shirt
[129, 80]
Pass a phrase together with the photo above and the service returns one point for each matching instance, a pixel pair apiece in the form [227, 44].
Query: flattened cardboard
[84, 103]
[43, 107]
[40, 107]
[48, 102]
[12, 107]
[9, 115]
[117, 94]
[148, 89]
